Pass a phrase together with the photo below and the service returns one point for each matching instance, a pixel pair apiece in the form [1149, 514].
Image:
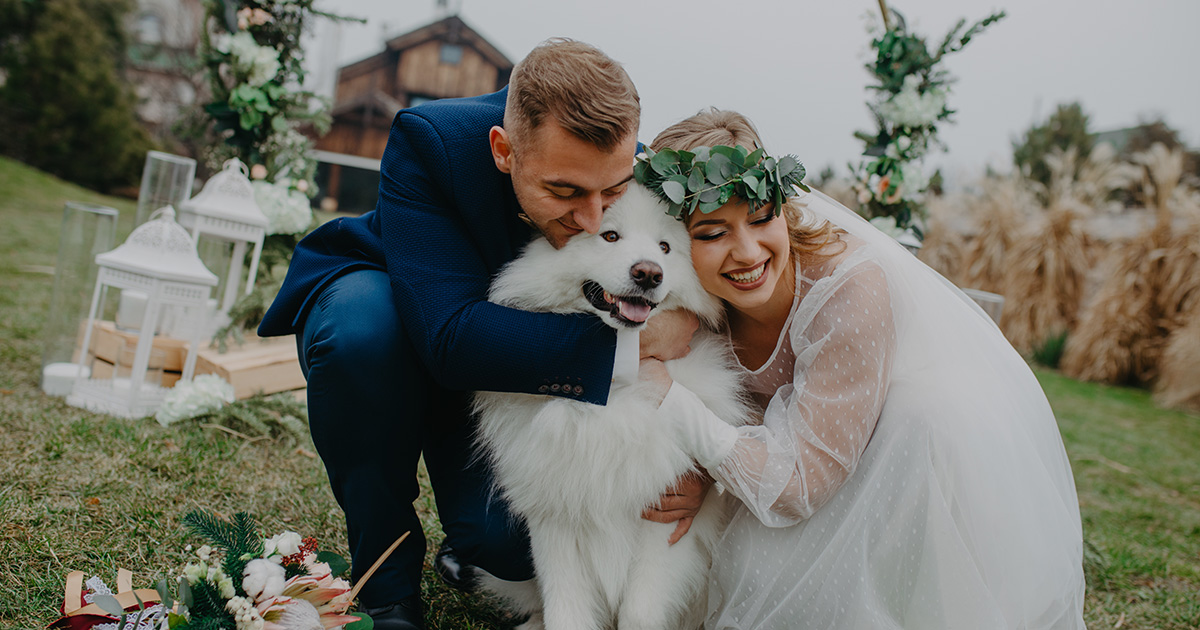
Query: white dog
[581, 474]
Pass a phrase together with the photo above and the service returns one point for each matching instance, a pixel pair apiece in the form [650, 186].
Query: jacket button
[543, 389]
[579, 389]
[555, 387]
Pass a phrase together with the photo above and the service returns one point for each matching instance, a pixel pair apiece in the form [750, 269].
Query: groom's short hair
[582, 89]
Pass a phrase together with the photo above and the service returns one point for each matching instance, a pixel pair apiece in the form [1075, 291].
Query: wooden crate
[107, 338]
[265, 366]
[104, 369]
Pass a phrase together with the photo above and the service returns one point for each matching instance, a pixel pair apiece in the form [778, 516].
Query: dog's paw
[535, 622]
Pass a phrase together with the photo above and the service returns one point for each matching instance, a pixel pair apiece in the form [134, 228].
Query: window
[149, 29]
[451, 54]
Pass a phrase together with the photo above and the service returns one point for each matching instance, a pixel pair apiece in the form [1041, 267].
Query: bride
[908, 471]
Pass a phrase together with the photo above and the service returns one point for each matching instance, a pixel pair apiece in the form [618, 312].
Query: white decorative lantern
[158, 260]
[225, 211]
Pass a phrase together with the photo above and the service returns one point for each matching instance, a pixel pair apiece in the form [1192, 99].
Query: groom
[394, 329]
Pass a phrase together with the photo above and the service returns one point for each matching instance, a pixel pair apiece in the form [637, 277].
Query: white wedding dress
[908, 472]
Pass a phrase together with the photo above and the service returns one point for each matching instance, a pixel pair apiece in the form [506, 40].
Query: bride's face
[742, 258]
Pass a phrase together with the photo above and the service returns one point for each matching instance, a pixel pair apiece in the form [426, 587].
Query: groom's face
[563, 183]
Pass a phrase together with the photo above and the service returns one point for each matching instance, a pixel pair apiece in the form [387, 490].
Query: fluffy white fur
[581, 474]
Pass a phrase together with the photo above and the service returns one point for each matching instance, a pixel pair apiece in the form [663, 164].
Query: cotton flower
[188, 399]
[262, 579]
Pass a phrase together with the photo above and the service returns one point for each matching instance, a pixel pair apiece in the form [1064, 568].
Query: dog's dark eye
[611, 236]
[666, 247]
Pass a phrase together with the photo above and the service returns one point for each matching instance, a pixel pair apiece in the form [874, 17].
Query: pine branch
[238, 539]
[213, 529]
[207, 602]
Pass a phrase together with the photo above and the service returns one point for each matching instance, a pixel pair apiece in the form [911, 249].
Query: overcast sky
[796, 67]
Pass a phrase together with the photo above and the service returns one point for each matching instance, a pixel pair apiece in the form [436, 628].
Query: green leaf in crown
[706, 178]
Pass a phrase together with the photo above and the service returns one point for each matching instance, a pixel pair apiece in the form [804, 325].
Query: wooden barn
[445, 59]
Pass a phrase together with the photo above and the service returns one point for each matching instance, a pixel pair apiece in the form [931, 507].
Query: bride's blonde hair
[712, 127]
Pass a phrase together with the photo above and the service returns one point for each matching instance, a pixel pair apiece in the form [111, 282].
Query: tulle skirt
[962, 513]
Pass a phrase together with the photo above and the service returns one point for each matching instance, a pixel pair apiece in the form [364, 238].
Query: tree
[63, 106]
[1148, 133]
[1066, 128]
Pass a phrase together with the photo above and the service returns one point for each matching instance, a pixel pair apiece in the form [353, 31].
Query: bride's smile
[744, 257]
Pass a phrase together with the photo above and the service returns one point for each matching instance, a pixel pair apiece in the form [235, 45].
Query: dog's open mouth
[631, 310]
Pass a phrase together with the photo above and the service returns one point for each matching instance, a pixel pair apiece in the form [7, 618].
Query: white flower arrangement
[188, 399]
[280, 545]
[913, 108]
[258, 64]
[287, 210]
[912, 89]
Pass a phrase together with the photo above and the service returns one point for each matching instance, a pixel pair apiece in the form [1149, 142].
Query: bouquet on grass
[245, 582]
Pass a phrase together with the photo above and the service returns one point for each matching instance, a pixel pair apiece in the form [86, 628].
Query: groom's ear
[501, 149]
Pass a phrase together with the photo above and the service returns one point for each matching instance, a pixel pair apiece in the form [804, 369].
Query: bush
[63, 106]
[1050, 351]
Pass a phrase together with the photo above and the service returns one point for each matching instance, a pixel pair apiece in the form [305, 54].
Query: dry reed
[942, 247]
[1179, 383]
[1152, 285]
[1000, 211]
[1047, 269]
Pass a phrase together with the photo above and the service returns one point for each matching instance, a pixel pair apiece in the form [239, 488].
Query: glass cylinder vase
[166, 181]
[87, 230]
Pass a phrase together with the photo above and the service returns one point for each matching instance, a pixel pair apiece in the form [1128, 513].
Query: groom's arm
[440, 281]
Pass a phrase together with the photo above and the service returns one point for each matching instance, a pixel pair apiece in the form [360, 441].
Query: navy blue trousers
[373, 411]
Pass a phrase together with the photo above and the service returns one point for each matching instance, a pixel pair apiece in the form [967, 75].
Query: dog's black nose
[646, 274]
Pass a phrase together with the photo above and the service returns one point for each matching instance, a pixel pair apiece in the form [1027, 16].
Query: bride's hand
[654, 377]
[667, 335]
[680, 503]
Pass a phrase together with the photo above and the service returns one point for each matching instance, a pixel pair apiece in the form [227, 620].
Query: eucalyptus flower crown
[706, 178]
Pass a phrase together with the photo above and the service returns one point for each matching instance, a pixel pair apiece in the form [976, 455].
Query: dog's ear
[523, 283]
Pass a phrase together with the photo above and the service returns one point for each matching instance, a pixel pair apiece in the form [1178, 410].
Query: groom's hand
[667, 335]
[680, 504]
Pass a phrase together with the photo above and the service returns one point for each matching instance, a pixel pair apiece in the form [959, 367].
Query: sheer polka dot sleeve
[815, 428]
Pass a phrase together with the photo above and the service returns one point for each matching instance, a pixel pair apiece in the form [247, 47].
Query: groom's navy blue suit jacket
[445, 223]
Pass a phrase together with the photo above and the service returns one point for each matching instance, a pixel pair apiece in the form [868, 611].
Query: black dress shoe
[454, 572]
[406, 614]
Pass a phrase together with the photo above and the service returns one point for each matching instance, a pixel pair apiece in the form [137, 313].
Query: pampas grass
[1179, 383]
[1152, 285]
[1000, 211]
[1047, 270]
[942, 248]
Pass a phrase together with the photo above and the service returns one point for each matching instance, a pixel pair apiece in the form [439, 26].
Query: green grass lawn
[93, 493]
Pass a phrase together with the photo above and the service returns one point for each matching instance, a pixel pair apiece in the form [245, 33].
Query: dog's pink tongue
[634, 312]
